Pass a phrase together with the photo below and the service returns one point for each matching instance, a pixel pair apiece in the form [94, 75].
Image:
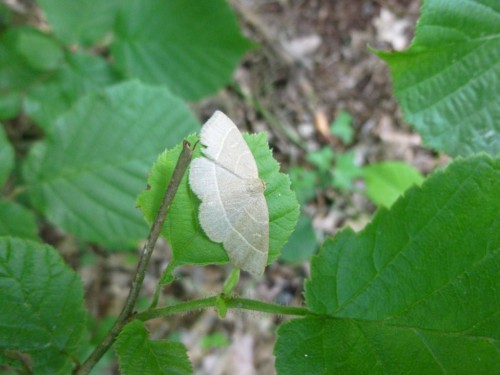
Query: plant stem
[231, 281]
[232, 302]
[127, 312]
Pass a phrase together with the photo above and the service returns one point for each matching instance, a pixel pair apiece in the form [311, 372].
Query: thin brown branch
[127, 312]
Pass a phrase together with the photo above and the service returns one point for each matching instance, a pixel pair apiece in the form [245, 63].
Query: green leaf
[342, 127]
[189, 243]
[34, 68]
[214, 340]
[84, 176]
[10, 104]
[322, 159]
[304, 183]
[40, 51]
[16, 75]
[325, 346]
[80, 74]
[17, 221]
[231, 281]
[386, 181]
[82, 22]
[447, 81]
[139, 355]
[189, 45]
[6, 157]
[5, 16]
[418, 287]
[346, 170]
[461, 201]
[221, 307]
[42, 312]
[302, 243]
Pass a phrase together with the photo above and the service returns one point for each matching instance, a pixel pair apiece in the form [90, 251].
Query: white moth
[233, 208]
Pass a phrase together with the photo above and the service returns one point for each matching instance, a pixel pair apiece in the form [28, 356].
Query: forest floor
[312, 62]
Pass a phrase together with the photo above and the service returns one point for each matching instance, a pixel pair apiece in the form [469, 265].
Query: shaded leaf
[6, 157]
[346, 170]
[39, 51]
[322, 159]
[87, 172]
[447, 81]
[194, 54]
[17, 221]
[42, 310]
[304, 183]
[80, 74]
[37, 73]
[137, 354]
[302, 243]
[16, 75]
[342, 127]
[82, 22]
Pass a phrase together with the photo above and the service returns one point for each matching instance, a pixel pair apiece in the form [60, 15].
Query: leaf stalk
[231, 302]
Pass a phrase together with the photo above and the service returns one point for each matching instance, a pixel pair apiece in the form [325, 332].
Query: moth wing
[248, 242]
[225, 145]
